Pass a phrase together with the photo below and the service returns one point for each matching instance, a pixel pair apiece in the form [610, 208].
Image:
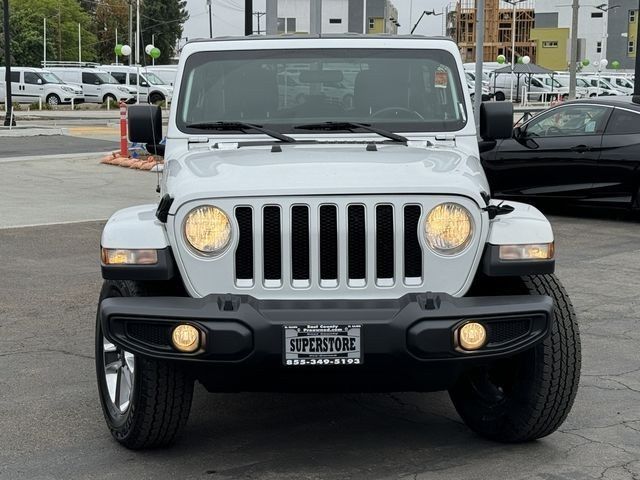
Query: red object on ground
[124, 142]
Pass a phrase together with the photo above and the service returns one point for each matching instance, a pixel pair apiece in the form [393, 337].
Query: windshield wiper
[242, 127]
[350, 126]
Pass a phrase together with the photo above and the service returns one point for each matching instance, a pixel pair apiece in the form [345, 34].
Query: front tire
[53, 100]
[145, 402]
[528, 396]
[156, 99]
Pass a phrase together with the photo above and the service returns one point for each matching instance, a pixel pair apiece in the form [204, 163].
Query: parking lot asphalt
[51, 425]
[11, 147]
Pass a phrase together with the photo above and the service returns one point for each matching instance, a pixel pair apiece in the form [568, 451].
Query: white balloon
[604, 62]
[148, 49]
[126, 50]
[526, 59]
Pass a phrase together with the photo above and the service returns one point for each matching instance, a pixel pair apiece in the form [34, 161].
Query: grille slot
[244, 252]
[384, 244]
[357, 244]
[501, 332]
[300, 242]
[412, 250]
[328, 243]
[151, 333]
[272, 244]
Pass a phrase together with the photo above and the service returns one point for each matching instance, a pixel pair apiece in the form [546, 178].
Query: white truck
[327, 246]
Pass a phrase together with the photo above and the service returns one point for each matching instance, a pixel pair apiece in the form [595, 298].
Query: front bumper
[244, 337]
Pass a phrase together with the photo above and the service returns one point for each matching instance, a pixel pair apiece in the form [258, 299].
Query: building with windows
[499, 33]
[331, 16]
[608, 32]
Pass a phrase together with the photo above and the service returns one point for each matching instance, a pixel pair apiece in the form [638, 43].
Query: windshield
[153, 79]
[400, 90]
[49, 77]
[581, 82]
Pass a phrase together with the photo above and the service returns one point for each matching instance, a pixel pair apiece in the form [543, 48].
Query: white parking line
[50, 224]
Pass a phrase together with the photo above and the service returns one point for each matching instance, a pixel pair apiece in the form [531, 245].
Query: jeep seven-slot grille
[362, 239]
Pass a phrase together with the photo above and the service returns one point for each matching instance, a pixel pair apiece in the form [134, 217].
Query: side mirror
[145, 124]
[496, 120]
[39, 81]
[144, 84]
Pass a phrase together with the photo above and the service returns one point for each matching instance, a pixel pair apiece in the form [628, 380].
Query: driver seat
[376, 89]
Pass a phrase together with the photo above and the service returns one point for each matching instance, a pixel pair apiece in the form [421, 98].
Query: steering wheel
[553, 131]
[412, 113]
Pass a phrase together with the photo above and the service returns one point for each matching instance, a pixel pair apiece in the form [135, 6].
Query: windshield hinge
[198, 140]
[446, 138]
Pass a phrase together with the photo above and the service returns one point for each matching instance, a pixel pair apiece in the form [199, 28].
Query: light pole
[432, 12]
[210, 20]
[513, 41]
[636, 84]
[8, 118]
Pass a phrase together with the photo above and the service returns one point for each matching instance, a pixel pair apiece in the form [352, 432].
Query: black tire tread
[165, 392]
[553, 375]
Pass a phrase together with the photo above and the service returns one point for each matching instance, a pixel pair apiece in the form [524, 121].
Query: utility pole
[44, 43]
[138, 51]
[79, 44]
[573, 57]
[248, 17]
[636, 83]
[477, 95]
[259, 15]
[8, 119]
[130, 26]
[210, 20]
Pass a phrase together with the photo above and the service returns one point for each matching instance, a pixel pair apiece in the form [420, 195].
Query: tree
[163, 19]
[109, 15]
[63, 16]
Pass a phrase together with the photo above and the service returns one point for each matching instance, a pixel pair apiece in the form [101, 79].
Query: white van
[167, 73]
[152, 88]
[500, 85]
[624, 84]
[603, 87]
[98, 85]
[29, 85]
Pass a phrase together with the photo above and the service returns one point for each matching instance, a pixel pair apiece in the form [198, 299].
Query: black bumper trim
[493, 266]
[415, 327]
[163, 270]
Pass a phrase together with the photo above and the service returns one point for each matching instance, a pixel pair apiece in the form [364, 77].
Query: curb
[62, 156]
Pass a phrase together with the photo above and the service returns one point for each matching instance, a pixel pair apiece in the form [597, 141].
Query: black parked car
[584, 150]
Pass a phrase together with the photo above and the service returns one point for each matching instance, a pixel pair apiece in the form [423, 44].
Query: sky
[228, 17]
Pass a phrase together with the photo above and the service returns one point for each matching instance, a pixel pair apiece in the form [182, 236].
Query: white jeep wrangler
[325, 225]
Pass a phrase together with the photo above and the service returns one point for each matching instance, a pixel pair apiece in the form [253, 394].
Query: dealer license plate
[322, 345]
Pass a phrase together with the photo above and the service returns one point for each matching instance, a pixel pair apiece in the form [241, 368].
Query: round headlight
[207, 229]
[448, 228]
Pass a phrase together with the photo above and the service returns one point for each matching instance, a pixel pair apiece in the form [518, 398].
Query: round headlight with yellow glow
[207, 229]
[448, 228]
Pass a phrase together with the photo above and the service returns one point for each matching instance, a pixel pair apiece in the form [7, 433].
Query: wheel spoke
[108, 346]
[129, 361]
[118, 387]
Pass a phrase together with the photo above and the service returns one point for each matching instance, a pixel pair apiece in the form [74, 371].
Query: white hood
[323, 170]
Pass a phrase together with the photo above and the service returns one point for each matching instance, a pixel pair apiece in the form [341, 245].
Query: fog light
[472, 336]
[186, 338]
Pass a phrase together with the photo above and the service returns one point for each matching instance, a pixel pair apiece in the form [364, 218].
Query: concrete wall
[620, 32]
[337, 10]
[546, 20]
